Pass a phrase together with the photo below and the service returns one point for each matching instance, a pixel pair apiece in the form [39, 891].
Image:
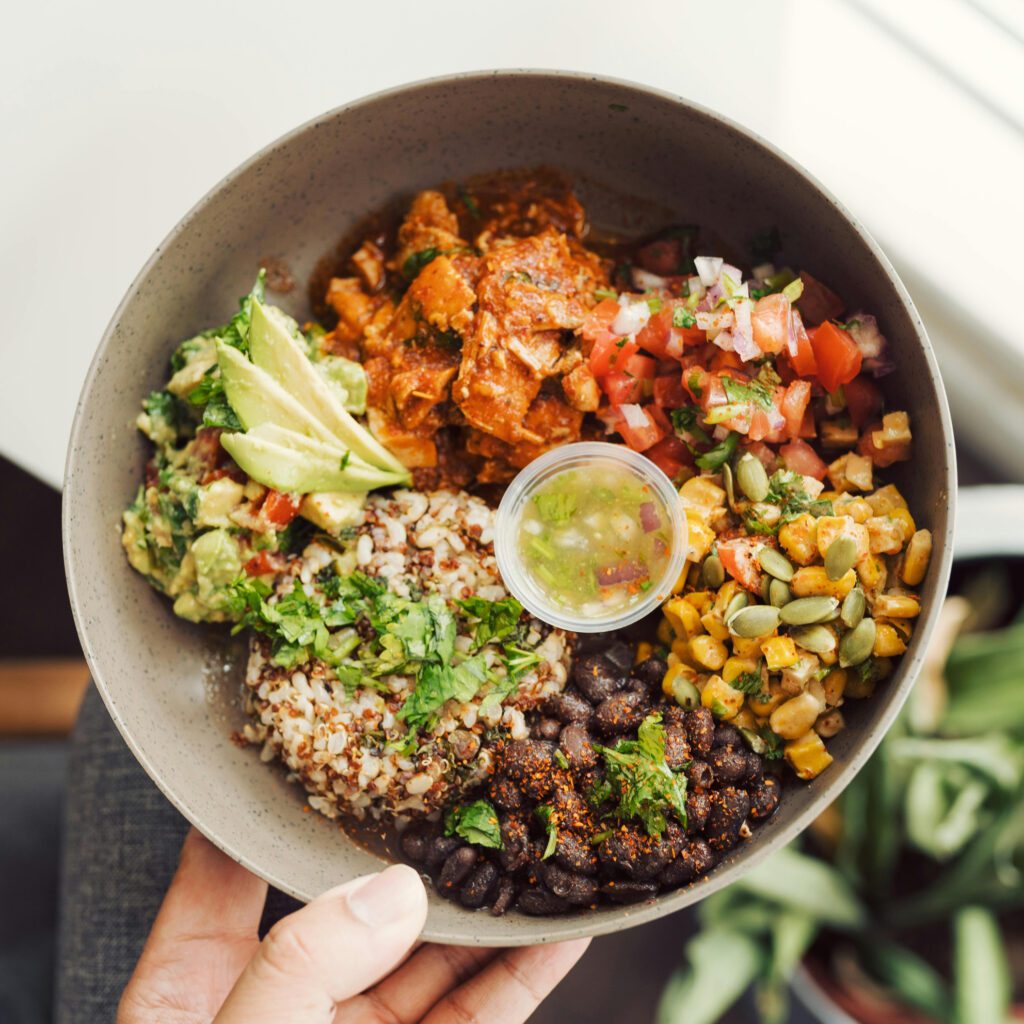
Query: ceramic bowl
[165, 682]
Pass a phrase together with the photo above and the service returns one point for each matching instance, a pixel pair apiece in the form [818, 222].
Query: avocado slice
[258, 399]
[303, 469]
[347, 378]
[274, 350]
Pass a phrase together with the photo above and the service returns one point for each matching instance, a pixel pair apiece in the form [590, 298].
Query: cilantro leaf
[749, 682]
[786, 489]
[546, 815]
[496, 619]
[416, 261]
[682, 317]
[756, 391]
[477, 823]
[638, 775]
[438, 684]
[720, 454]
[684, 422]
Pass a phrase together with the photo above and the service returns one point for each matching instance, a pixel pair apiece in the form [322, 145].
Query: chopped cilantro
[440, 683]
[694, 385]
[605, 293]
[756, 391]
[786, 489]
[416, 261]
[563, 761]
[344, 460]
[477, 823]
[654, 304]
[720, 454]
[639, 777]
[496, 620]
[547, 817]
[684, 421]
[682, 317]
[748, 683]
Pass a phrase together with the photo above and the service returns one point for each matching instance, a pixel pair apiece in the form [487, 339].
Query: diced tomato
[655, 334]
[836, 354]
[801, 458]
[770, 320]
[638, 365]
[803, 362]
[764, 454]
[739, 559]
[808, 428]
[280, 509]
[882, 457]
[817, 302]
[660, 417]
[610, 353]
[671, 456]
[863, 400]
[722, 360]
[264, 563]
[622, 388]
[760, 425]
[794, 405]
[599, 320]
[669, 392]
[638, 427]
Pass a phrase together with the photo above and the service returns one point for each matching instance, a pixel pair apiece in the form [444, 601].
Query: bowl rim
[554, 929]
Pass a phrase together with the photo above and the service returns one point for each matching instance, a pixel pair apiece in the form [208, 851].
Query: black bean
[505, 895]
[764, 798]
[570, 707]
[620, 654]
[700, 727]
[730, 765]
[634, 853]
[673, 714]
[456, 868]
[415, 841]
[629, 892]
[729, 809]
[676, 838]
[698, 807]
[700, 774]
[531, 765]
[677, 747]
[695, 860]
[597, 677]
[621, 713]
[578, 750]
[515, 841]
[651, 671]
[539, 902]
[575, 854]
[728, 736]
[546, 729]
[479, 885]
[439, 848]
[577, 889]
[504, 793]
[573, 810]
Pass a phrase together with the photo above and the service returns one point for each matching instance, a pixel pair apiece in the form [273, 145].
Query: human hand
[342, 959]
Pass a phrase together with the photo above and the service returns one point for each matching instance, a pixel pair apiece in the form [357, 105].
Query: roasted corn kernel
[796, 715]
[683, 617]
[807, 755]
[885, 499]
[812, 581]
[713, 623]
[721, 699]
[888, 642]
[799, 538]
[708, 651]
[644, 650]
[736, 667]
[833, 686]
[831, 528]
[779, 652]
[915, 561]
[897, 606]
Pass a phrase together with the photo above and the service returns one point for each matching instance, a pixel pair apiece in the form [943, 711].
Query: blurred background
[120, 116]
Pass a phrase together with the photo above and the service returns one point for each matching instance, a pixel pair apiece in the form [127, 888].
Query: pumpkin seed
[713, 572]
[757, 620]
[685, 693]
[766, 589]
[857, 645]
[738, 601]
[805, 611]
[854, 605]
[817, 639]
[779, 594]
[752, 478]
[775, 563]
[727, 483]
[839, 558]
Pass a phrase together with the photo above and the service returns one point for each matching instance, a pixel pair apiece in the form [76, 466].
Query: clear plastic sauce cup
[591, 537]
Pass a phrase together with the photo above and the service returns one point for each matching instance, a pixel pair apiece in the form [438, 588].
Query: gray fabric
[31, 791]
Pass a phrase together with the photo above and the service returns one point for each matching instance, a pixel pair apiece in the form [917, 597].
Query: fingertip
[395, 894]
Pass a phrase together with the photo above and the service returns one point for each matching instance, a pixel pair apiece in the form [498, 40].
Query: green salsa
[595, 539]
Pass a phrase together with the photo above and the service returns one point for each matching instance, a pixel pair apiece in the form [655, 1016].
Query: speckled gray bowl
[161, 677]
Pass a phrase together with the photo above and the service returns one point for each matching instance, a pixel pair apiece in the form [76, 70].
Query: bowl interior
[172, 687]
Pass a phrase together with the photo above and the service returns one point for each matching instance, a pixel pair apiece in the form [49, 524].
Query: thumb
[330, 950]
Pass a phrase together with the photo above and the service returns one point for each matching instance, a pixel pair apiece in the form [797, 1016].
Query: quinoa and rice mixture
[347, 745]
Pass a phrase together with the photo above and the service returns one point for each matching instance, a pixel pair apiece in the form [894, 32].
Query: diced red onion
[880, 367]
[725, 340]
[734, 273]
[776, 419]
[709, 269]
[863, 328]
[648, 282]
[625, 572]
[649, 518]
[694, 286]
[632, 315]
[743, 332]
[791, 341]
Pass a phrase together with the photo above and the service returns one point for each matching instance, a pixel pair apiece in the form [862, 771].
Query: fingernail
[386, 897]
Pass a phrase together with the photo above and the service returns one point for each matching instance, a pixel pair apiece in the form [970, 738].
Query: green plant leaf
[981, 973]
[914, 980]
